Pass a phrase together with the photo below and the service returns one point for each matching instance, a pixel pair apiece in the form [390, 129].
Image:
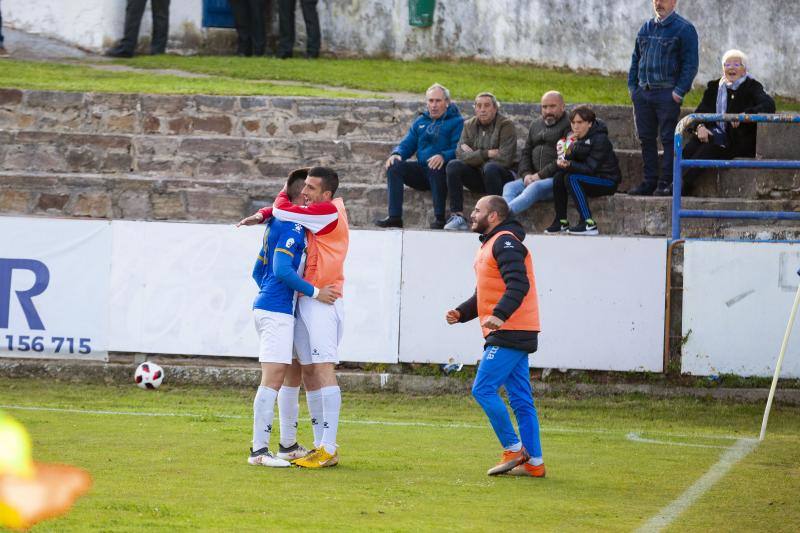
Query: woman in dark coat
[735, 92]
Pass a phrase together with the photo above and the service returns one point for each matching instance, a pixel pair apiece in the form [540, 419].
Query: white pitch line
[727, 460]
[635, 437]
[443, 425]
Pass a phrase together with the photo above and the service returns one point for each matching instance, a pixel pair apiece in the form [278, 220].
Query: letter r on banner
[42, 279]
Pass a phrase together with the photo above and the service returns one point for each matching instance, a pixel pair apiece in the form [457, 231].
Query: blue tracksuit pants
[509, 368]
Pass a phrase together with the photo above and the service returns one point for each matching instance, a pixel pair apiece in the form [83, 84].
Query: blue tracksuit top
[281, 257]
[665, 55]
[428, 137]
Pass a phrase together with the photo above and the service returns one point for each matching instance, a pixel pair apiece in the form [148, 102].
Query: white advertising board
[54, 288]
[372, 297]
[601, 300]
[736, 302]
[183, 288]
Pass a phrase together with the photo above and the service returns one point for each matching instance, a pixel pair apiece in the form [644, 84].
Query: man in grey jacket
[484, 157]
[538, 162]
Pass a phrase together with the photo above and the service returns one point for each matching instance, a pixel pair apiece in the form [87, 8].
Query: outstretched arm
[319, 218]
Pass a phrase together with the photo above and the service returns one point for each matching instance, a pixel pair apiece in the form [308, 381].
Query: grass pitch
[174, 460]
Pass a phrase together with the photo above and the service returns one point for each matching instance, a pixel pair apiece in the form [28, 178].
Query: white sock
[314, 401]
[536, 461]
[288, 409]
[331, 405]
[263, 412]
[515, 447]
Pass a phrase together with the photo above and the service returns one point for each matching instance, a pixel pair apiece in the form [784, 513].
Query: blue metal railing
[677, 170]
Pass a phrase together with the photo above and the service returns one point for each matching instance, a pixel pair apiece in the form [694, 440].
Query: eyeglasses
[733, 65]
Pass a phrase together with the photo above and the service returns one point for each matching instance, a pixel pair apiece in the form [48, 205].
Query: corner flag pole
[780, 362]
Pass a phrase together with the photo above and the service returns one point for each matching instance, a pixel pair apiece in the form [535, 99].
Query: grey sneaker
[264, 457]
[456, 223]
[292, 453]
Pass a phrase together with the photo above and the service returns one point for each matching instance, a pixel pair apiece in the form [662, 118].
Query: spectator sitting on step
[485, 154]
[734, 92]
[588, 168]
[538, 162]
[433, 137]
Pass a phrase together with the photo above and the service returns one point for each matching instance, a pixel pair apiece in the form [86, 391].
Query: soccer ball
[148, 375]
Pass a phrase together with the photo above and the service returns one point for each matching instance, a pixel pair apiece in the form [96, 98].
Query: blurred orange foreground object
[31, 492]
[50, 492]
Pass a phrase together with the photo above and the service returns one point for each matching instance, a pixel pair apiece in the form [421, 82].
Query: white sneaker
[456, 223]
[264, 457]
[292, 453]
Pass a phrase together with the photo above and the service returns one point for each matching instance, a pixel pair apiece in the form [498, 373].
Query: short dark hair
[498, 204]
[295, 183]
[329, 177]
[585, 112]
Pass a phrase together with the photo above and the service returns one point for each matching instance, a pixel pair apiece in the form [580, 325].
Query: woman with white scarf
[735, 92]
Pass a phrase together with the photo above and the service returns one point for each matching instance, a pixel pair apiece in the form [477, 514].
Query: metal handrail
[680, 164]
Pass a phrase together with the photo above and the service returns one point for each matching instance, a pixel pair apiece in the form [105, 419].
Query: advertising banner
[54, 288]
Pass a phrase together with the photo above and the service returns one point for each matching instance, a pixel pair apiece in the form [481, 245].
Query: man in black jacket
[133, 19]
[537, 166]
[507, 306]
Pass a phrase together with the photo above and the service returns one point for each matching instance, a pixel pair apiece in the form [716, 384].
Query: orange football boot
[508, 461]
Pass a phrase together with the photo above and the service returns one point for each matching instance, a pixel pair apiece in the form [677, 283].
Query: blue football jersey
[279, 238]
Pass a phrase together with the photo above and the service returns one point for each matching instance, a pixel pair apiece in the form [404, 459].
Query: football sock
[288, 409]
[536, 461]
[515, 447]
[331, 405]
[263, 412]
[314, 401]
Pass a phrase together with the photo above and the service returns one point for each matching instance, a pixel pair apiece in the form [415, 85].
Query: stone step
[238, 158]
[130, 196]
[247, 116]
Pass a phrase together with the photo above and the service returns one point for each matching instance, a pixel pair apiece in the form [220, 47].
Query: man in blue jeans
[433, 137]
[538, 162]
[663, 66]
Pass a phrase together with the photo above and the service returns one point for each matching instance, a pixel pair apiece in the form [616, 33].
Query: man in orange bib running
[505, 301]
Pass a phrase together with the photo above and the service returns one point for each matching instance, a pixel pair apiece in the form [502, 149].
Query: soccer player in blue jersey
[277, 275]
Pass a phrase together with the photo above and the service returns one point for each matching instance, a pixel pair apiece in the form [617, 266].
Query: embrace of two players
[298, 315]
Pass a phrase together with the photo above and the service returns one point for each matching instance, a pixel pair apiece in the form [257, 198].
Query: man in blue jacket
[433, 137]
[663, 66]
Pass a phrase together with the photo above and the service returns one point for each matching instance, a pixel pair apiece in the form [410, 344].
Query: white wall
[736, 303]
[92, 24]
[184, 288]
[581, 34]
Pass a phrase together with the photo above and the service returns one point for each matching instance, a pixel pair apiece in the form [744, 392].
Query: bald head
[552, 107]
[489, 212]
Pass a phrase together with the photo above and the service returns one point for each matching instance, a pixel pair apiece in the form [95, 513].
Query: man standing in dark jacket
[507, 306]
[538, 162]
[663, 66]
[485, 154]
[133, 19]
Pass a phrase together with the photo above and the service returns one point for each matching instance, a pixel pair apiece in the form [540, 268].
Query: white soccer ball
[148, 375]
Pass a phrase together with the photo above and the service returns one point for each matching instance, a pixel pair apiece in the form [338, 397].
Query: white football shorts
[318, 331]
[275, 336]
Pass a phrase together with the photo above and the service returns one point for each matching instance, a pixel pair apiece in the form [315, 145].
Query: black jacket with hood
[594, 155]
[510, 253]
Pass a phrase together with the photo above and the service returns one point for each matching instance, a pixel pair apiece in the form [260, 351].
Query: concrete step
[239, 158]
[247, 116]
[130, 196]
